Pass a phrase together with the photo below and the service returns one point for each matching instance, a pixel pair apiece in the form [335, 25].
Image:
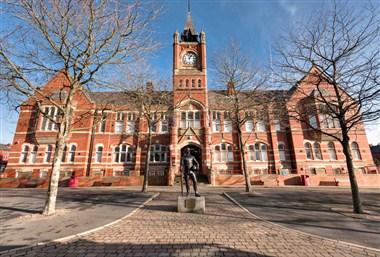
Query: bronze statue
[188, 166]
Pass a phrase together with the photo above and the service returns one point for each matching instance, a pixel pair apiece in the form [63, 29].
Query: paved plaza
[326, 212]
[225, 230]
[78, 210]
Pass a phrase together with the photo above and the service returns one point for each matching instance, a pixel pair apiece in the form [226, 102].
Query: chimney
[149, 87]
[230, 88]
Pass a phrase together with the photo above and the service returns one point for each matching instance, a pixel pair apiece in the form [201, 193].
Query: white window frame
[249, 125]
[72, 153]
[216, 121]
[308, 150]
[47, 124]
[356, 151]
[33, 154]
[277, 125]
[223, 153]
[48, 153]
[317, 151]
[159, 151]
[24, 153]
[227, 124]
[131, 122]
[97, 159]
[191, 119]
[103, 124]
[164, 124]
[125, 152]
[332, 151]
[119, 123]
[260, 126]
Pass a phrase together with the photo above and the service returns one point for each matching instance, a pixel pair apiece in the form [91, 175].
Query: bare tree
[338, 54]
[80, 40]
[244, 93]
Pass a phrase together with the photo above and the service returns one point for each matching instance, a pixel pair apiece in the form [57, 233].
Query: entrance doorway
[197, 153]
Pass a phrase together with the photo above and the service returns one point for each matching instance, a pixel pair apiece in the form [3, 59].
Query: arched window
[199, 83]
[24, 153]
[317, 151]
[355, 151]
[33, 154]
[251, 152]
[308, 151]
[180, 83]
[193, 83]
[99, 153]
[264, 154]
[159, 153]
[223, 153]
[258, 152]
[123, 153]
[64, 154]
[281, 150]
[73, 148]
[48, 153]
[187, 83]
[332, 152]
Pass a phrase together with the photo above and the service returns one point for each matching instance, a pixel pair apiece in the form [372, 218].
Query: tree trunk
[356, 203]
[49, 208]
[146, 173]
[243, 162]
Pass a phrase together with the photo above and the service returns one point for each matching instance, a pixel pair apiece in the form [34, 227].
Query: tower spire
[189, 34]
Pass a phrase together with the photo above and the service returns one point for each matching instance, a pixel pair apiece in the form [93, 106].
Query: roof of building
[375, 149]
[5, 147]
[216, 98]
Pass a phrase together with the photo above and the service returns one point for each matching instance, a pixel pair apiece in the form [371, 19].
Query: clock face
[189, 58]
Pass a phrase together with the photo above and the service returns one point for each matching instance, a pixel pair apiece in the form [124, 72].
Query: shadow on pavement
[311, 212]
[83, 247]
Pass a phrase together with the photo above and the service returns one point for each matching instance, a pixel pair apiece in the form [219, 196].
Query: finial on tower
[189, 34]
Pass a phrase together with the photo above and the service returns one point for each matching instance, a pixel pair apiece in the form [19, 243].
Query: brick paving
[225, 230]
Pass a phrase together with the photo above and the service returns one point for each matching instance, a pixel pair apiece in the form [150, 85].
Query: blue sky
[255, 24]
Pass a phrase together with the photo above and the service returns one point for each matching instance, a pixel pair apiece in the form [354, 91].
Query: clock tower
[189, 64]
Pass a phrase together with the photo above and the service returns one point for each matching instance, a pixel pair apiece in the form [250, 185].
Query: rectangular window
[216, 121]
[277, 125]
[313, 121]
[119, 124]
[190, 119]
[249, 125]
[164, 124]
[131, 123]
[260, 126]
[227, 122]
[49, 119]
[102, 126]
[131, 127]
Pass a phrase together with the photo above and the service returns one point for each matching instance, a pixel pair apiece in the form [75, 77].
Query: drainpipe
[91, 147]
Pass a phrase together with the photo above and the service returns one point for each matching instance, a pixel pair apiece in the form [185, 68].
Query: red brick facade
[112, 153]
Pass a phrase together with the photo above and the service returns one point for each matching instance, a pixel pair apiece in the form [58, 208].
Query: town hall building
[112, 151]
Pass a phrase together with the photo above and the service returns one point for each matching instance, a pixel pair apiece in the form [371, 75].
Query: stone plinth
[191, 204]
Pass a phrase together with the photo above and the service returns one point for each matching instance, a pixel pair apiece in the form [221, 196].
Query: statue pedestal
[191, 204]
